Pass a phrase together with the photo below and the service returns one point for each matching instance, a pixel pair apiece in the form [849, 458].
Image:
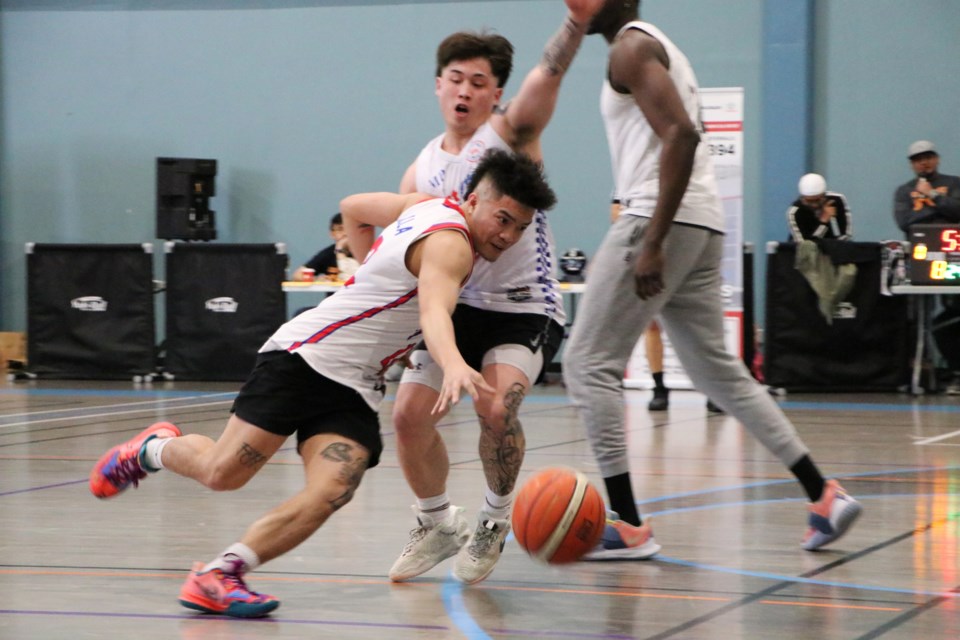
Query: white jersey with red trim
[353, 336]
[522, 279]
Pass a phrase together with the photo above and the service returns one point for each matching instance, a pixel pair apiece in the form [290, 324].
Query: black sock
[658, 380]
[621, 498]
[810, 477]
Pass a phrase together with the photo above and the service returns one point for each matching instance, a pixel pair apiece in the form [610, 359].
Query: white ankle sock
[496, 506]
[435, 510]
[152, 453]
[237, 559]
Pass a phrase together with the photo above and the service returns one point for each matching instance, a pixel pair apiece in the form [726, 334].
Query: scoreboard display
[935, 254]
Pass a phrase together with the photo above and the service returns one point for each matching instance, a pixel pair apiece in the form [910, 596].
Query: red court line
[319, 580]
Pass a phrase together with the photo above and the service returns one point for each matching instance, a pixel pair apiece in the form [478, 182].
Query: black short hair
[336, 219]
[515, 175]
[466, 45]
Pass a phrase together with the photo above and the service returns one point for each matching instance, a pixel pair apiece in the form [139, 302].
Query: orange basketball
[558, 515]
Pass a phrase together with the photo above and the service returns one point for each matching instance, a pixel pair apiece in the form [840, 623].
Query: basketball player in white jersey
[662, 256]
[509, 321]
[321, 374]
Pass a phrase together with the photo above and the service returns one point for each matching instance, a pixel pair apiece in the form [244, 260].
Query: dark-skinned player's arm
[639, 65]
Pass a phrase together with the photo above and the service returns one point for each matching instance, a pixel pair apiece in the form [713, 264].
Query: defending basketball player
[662, 255]
[321, 374]
[509, 320]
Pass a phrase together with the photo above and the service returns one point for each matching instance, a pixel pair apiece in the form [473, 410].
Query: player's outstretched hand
[456, 378]
[582, 10]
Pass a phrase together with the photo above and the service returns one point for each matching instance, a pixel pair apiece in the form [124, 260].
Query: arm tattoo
[561, 48]
[503, 452]
[250, 457]
[351, 470]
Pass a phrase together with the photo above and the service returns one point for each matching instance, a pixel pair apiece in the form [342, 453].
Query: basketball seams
[558, 515]
[549, 548]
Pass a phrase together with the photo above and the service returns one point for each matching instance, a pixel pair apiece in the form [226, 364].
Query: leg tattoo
[352, 466]
[250, 457]
[502, 449]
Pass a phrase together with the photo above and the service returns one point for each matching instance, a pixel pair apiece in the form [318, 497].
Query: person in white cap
[931, 196]
[819, 213]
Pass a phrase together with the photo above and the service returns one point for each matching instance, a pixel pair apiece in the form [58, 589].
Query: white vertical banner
[722, 117]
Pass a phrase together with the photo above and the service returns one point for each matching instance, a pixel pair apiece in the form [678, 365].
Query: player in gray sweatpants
[611, 318]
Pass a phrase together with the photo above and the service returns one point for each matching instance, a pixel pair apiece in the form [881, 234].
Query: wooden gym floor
[728, 515]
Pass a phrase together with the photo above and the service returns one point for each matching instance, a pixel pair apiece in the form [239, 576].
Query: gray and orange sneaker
[121, 466]
[830, 517]
[624, 541]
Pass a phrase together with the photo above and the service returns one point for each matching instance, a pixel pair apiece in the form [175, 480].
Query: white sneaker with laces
[429, 546]
[479, 556]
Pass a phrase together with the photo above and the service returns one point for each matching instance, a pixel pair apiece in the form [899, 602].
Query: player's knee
[336, 494]
[501, 414]
[410, 425]
[495, 416]
[224, 478]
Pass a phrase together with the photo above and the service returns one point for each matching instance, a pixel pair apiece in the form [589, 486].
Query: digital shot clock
[935, 254]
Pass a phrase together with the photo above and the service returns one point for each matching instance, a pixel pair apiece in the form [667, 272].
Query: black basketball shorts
[284, 395]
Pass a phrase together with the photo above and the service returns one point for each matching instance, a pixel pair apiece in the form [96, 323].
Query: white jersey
[635, 148]
[522, 279]
[354, 335]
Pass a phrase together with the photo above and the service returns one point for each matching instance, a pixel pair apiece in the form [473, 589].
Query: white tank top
[354, 335]
[522, 280]
[635, 148]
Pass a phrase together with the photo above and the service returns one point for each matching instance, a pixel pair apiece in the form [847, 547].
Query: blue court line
[776, 577]
[458, 614]
[531, 399]
[452, 594]
[866, 406]
[113, 393]
[750, 503]
[768, 483]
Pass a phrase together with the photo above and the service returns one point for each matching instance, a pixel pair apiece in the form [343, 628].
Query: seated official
[334, 262]
[819, 214]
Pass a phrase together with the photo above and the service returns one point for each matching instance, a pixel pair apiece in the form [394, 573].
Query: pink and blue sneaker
[223, 593]
[121, 466]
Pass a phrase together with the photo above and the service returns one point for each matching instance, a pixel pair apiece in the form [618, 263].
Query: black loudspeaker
[222, 303]
[748, 333]
[184, 189]
[945, 330]
[90, 312]
[865, 348]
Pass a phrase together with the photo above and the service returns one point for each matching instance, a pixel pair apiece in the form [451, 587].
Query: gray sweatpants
[611, 318]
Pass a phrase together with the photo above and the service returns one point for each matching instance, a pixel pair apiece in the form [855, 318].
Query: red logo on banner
[723, 126]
